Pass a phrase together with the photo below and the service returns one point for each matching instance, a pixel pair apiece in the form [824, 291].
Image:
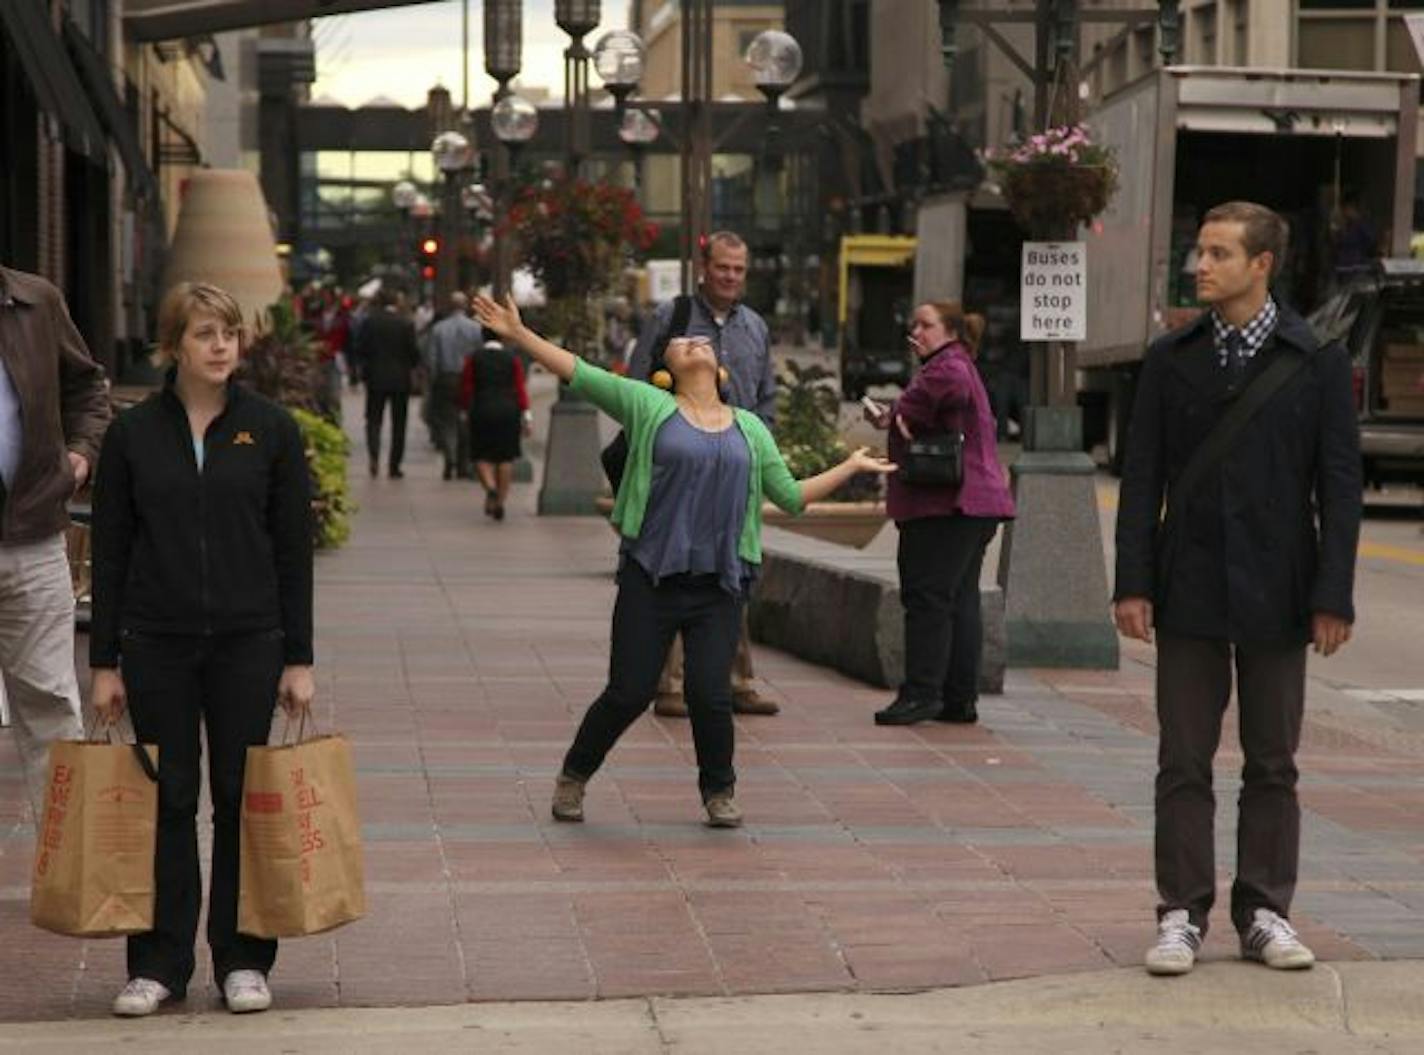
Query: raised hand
[503, 319]
[862, 461]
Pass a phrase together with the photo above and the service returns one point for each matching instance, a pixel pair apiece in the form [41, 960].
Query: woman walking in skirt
[494, 394]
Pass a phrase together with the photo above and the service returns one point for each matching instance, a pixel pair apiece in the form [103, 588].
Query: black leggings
[645, 618]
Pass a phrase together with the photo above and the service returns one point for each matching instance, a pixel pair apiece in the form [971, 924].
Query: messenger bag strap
[1220, 439]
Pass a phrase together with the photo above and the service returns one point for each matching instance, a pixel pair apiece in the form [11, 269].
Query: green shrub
[327, 448]
[807, 429]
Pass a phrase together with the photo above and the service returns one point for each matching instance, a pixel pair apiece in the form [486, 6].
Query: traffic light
[428, 272]
[430, 247]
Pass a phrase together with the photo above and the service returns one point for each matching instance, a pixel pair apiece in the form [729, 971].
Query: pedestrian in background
[1253, 560]
[742, 343]
[494, 394]
[202, 618]
[453, 340]
[386, 349]
[54, 408]
[944, 529]
[689, 513]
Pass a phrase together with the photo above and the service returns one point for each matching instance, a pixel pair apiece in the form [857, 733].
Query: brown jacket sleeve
[83, 399]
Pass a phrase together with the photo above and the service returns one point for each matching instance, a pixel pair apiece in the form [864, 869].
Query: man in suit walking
[386, 349]
[1259, 564]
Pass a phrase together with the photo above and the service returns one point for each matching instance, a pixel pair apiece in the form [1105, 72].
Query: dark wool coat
[1270, 534]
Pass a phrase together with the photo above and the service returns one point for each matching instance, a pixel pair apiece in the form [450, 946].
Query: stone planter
[844, 523]
[851, 524]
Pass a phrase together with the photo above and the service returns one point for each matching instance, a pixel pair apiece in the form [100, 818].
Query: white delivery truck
[1323, 148]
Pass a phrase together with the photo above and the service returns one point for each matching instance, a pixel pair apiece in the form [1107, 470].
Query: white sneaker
[140, 997]
[245, 991]
[1178, 940]
[1273, 941]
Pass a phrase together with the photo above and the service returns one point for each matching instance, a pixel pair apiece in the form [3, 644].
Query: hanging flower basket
[1056, 180]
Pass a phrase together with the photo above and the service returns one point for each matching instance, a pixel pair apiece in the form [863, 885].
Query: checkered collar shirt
[1253, 335]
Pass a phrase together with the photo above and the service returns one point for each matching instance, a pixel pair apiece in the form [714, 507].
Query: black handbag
[614, 457]
[934, 460]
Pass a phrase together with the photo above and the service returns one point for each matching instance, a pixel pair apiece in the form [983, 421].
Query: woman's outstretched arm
[820, 486]
[504, 320]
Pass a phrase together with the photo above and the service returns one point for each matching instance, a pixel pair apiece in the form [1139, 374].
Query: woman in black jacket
[202, 614]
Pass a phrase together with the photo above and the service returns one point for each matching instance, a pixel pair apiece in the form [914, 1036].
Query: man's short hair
[730, 239]
[459, 302]
[1262, 229]
[178, 306]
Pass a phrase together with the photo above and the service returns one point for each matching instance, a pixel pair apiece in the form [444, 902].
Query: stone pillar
[1051, 566]
[942, 233]
[573, 475]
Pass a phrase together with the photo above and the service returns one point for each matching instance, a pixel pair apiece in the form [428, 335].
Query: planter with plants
[1056, 180]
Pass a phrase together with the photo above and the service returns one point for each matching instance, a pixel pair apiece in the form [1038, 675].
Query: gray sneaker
[140, 997]
[722, 811]
[568, 798]
[1178, 940]
[246, 991]
[1273, 941]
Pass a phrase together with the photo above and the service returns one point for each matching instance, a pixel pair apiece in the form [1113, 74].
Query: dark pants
[229, 684]
[375, 411]
[1193, 687]
[940, 559]
[445, 416]
[645, 618]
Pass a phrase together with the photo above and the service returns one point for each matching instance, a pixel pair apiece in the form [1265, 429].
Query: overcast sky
[401, 53]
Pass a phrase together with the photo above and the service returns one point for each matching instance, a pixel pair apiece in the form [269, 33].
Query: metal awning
[52, 76]
[95, 75]
[149, 20]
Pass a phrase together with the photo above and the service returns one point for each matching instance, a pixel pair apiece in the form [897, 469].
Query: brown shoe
[670, 705]
[749, 701]
[722, 811]
[568, 798]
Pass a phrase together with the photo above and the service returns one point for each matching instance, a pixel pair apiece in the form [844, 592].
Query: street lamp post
[637, 131]
[577, 18]
[514, 120]
[454, 155]
[504, 44]
[619, 58]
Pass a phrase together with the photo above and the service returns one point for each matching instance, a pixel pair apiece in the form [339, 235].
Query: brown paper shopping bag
[302, 869]
[93, 873]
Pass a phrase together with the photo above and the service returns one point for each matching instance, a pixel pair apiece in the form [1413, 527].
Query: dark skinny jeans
[229, 685]
[645, 619]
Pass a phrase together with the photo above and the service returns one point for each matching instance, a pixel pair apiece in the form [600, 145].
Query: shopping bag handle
[146, 763]
[301, 727]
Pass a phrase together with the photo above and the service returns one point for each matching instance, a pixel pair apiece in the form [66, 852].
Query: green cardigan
[641, 409]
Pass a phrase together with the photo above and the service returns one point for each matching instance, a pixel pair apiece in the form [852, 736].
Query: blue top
[696, 505]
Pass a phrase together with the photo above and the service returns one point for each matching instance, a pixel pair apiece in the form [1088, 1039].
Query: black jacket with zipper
[222, 550]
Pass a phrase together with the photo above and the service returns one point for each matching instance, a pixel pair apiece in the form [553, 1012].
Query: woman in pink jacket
[944, 530]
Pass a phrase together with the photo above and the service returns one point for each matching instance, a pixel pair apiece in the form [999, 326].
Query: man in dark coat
[386, 349]
[1261, 564]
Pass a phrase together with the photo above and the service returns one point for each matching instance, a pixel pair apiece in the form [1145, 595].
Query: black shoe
[449, 473]
[908, 712]
[498, 512]
[959, 715]
[375, 470]
[396, 474]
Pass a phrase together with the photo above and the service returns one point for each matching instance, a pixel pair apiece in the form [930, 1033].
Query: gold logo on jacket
[243, 439]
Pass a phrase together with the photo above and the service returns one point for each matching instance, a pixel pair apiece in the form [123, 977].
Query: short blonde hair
[178, 306]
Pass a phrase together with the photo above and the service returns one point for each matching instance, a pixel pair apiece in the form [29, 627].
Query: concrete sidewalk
[459, 654]
[1340, 1009]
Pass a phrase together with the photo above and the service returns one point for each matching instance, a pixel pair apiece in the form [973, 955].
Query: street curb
[1349, 1002]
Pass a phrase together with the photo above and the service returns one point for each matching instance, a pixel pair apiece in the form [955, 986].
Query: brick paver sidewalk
[458, 654]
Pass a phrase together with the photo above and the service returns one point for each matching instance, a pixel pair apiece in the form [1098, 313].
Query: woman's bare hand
[503, 319]
[862, 461]
[296, 690]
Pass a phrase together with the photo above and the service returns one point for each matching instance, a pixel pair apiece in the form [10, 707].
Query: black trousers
[375, 411]
[229, 685]
[645, 618]
[445, 415]
[940, 559]
[1193, 688]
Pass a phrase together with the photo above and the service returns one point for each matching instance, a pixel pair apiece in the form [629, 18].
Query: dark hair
[968, 326]
[1262, 229]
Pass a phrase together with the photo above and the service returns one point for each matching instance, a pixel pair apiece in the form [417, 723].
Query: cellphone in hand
[871, 407]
